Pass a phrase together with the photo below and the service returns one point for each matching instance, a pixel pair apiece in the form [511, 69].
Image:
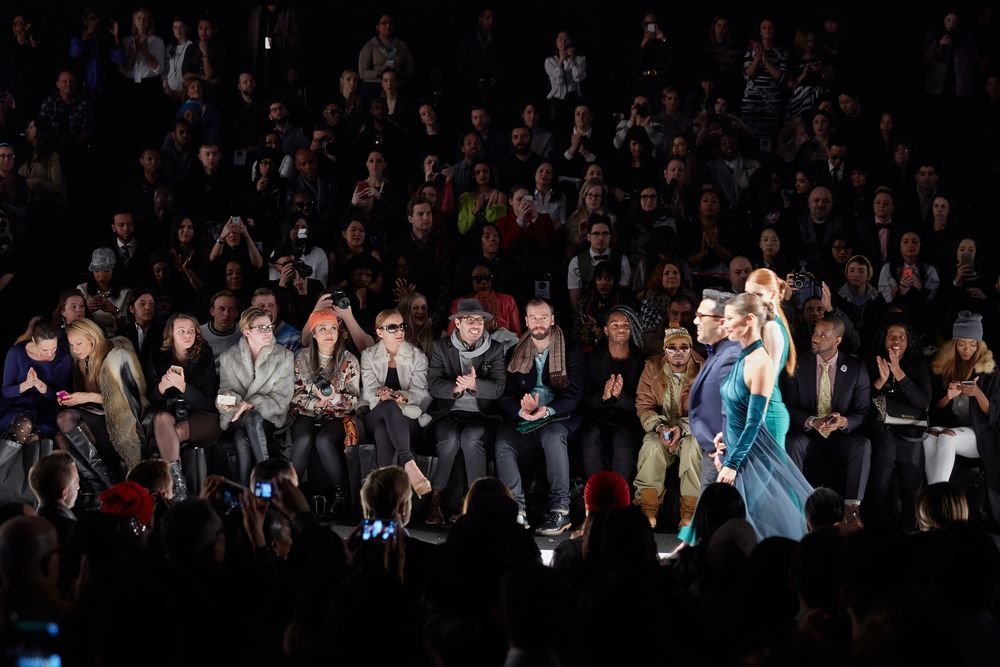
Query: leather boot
[421, 485]
[88, 460]
[254, 425]
[180, 484]
[688, 503]
[650, 501]
[434, 515]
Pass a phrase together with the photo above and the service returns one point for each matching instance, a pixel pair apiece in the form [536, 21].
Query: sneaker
[522, 519]
[555, 524]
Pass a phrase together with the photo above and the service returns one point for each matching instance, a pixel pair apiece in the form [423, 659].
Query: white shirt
[140, 69]
[574, 281]
[552, 203]
[175, 60]
[565, 77]
[887, 281]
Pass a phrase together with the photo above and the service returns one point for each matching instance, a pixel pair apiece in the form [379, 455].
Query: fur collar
[986, 364]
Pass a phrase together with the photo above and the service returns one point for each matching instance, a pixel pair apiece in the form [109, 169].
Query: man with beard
[518, 168]
[661, 402]
[292, 137]
[544, 385]
[466, 377]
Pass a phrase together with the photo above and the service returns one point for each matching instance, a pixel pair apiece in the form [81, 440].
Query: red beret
[606, 490]
[130, 500]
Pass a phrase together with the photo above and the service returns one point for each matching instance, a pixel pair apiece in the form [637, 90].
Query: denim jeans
[553, 439]
[465, 430]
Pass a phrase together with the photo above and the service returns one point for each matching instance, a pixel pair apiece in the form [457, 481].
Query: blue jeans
[553, 440]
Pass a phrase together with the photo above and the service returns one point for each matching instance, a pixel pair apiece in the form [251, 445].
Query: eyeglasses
[483, 279]
[600, 233]
[473, 320]
[709, 316]
[264, 328]
[394, 328]
[647, 197]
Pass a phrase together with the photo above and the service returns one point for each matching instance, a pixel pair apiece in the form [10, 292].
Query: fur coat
[123, 388]
[267, 384]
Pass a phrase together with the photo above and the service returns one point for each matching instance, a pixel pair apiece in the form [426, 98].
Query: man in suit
[828, 399]
[706, 417]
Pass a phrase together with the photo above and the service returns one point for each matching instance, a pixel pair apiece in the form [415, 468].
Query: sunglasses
[674, 349]
[483, 279]
[394, 328]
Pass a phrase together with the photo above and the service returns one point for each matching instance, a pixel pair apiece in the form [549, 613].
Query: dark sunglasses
[394, 328]
[483, 279]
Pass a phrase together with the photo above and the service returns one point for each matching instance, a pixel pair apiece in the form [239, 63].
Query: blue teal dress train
[778, 420]
[772, 487]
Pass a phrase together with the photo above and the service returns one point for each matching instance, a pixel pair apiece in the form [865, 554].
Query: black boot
[339, 507]
[88, 460]
[180, 484]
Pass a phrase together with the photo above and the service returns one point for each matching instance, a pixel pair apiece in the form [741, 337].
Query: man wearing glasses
[706, 417]
[661, 402]
[581, 268]
[466, 376]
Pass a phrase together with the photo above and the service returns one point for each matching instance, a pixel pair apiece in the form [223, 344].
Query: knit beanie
[968, 325]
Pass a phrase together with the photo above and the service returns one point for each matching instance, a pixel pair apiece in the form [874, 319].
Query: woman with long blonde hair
[101, 416]
[765, 284]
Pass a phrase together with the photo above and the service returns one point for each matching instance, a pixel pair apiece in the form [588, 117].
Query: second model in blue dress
[772, 487]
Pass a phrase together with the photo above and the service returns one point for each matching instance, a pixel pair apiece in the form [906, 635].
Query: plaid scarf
[523, 358]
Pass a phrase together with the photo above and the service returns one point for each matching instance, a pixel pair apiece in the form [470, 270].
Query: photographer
[181, 401]
[296, 294]
[310, 261]
[640, 115]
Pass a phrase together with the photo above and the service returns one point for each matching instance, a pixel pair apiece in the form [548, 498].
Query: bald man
[29, 568]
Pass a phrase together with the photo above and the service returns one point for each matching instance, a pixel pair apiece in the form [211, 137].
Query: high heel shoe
[421, 485]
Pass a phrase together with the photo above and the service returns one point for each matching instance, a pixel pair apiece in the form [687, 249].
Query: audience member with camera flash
[296, 293]
[256, 379]
[182, 384]
[327, 391]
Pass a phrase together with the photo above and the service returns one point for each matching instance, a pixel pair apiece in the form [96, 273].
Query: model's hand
[727, 475]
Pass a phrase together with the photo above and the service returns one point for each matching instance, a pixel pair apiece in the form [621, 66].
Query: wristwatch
[220, 240]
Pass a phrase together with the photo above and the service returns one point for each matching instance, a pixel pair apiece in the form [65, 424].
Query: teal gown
[772, 487]
[778, 420]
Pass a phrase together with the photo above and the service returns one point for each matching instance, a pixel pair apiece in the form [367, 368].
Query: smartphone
[33, 644]
[967, 382]
[237, 221]
[61, 395]
[377, 529]
[667, 435]
[263, 489]
[651, 27]
[232, 494]
[528, 199]
[176, 369]
[225, 399]
[907, 272]
[302, 234]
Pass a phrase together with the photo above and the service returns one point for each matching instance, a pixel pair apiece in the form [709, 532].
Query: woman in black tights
[394, 377]
[327, 388]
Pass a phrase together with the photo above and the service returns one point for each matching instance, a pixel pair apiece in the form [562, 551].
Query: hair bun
[769, 309]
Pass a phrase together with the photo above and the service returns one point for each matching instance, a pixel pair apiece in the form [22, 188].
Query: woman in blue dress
[34, 370]
[777, 340]
[772, 487]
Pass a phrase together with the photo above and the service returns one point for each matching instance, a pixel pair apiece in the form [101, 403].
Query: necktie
[601, 258]
[126, 255]
[824, 405]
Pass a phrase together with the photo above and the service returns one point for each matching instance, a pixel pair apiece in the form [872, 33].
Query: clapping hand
[883, 369]
[530, 409]
[613, 387]
[466, 382]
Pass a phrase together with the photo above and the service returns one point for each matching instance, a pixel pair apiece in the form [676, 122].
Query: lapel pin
[843, 368]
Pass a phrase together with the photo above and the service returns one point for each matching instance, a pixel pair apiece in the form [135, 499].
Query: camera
[301, 268]
[340, 299]
[176, 404]
[805, 285]
[641, 110]
[323, 385]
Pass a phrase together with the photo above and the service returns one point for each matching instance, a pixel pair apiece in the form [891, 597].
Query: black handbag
[893, 412]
